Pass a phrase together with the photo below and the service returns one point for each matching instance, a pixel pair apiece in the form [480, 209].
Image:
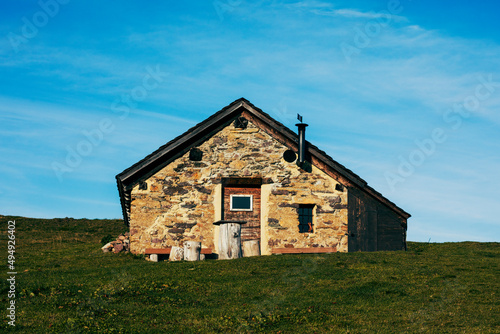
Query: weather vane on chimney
[299, 118]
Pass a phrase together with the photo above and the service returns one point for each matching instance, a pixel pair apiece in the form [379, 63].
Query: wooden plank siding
[392, 229]
[250, 230]
[313, 250]
[373, 226]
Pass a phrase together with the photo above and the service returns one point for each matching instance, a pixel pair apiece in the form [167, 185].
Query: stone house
[242, 165]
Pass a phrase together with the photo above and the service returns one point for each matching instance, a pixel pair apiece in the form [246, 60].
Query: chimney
[302, 140]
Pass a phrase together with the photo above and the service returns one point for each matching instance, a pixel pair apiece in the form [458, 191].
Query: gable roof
[178, 146]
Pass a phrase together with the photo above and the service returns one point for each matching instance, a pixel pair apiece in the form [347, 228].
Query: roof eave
[149, 162]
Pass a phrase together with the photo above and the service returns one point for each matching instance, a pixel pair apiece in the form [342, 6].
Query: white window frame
[231, 202]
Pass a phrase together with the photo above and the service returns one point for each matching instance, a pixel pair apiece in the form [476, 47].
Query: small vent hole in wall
[241, 123]
[289, 156]
[143, 185]
[195, 154]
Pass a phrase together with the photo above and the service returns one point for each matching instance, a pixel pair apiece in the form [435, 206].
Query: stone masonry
[178, 204]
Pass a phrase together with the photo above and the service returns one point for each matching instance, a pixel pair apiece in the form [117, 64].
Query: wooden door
[362, 226]
[243, 203]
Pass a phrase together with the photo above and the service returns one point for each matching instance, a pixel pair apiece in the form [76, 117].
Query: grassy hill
[65, 284]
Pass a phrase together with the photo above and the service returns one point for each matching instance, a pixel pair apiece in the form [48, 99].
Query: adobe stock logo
[362, 38]
[30, 28]
[454, 117]
[93, 138]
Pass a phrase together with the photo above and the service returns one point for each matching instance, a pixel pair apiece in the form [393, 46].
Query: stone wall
[178, 204]
[330, 212]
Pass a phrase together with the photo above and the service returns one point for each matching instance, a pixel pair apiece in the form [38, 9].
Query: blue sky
[404, 93]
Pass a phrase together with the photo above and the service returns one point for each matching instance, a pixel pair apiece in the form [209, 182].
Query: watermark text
[30, 28]
[94, 137]
[11, 273]
[453, 117]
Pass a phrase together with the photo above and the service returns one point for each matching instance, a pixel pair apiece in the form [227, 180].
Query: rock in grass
[107, 247]
[121, 244]
[118, 248]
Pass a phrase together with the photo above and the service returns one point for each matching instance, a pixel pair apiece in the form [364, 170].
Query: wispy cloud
[309, 4]
[329, 9]
[356, 14]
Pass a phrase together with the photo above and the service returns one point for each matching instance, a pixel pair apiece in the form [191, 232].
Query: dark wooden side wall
[392, 230]
[372, 226]
[362, 222]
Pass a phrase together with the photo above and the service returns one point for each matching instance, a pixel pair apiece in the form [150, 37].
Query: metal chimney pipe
[302, 142]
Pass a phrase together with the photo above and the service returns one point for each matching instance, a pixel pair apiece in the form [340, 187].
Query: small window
[306, 218]
[241, 202]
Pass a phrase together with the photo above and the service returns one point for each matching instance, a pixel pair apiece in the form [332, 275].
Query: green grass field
[65, 284]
